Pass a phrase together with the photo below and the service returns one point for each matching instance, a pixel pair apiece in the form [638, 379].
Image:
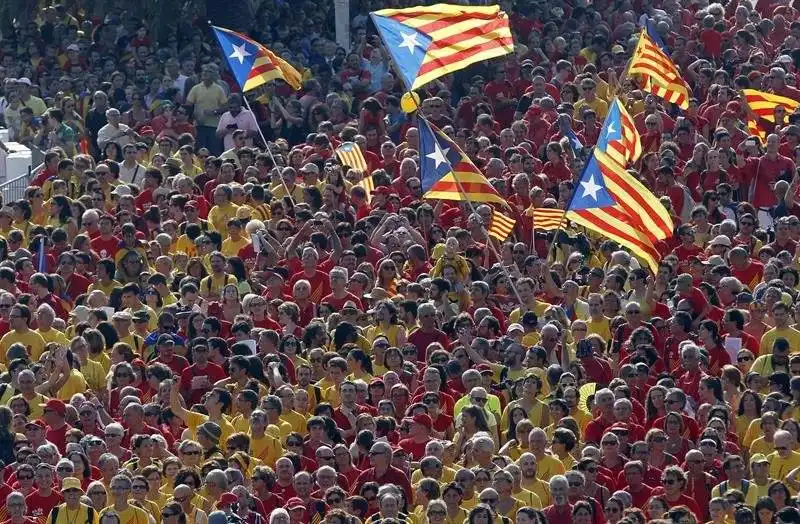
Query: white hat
[310, 168]
[721, 240]
[73, 47]
[24, 80]
[515, 327]
[121, 190]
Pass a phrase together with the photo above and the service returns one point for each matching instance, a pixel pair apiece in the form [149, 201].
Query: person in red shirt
[339, 295]
[561, 509]
[382, 471]
[638, 490]
[674, 483]
[165, 351]
[41, 501]
[16, 509]
[106, 243]
[152, 181]
[689, 381]
[201, 376]
[427, 333]
[764, 171]
[604, 407]
[346, 414]
[418, 437]
[699, 483]
[55, 413]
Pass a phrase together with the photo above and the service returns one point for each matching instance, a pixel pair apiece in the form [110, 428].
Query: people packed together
[208, 317]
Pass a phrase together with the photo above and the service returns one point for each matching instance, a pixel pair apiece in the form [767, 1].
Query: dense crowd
[207, 319]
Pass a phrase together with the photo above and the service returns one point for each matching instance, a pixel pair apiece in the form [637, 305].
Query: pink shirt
[244, 120]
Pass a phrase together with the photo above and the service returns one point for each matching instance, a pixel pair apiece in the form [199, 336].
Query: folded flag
[547, 219]
[349, 154]
[427, 42]
[369, 186]
[447, 173]
[502, 226]
[619, 138]
[253, 64]
[660, 74]
[574, 141]
[755, 130]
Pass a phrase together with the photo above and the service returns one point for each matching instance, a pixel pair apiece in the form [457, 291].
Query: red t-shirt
[415, 449]
[105, 248]
[320, 283]
[177, 364]
[766, 171]
[58, 437]
[422, 340]
[338, 303]
[40, 506]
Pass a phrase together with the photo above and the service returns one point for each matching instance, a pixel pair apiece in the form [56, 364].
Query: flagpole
[266, 145]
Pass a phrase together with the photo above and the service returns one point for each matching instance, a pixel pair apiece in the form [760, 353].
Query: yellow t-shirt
[231, 247]
[601, 327]
[212, 285]
[599, 106]
[51, 335]
[528, 498]
[538, 307]
[296, 420]
[540, 488]
[36, 410]
[760, 445]
[789, 333]
[194, 419]
[65, 516]
[130, 515]
[105, 288]
[219, 215]
[548, 466]
[267, 449]
[76, 383]
[103, 359]
[779, 468]
[205, 98]
[94, 374]
[185, 245]
[152, 324]
[750, 498]
[32, 341]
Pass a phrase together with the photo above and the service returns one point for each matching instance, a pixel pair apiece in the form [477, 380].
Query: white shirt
[134, 174]
[244, 120]
[109, 133]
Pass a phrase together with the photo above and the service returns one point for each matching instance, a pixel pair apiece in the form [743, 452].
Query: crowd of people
[205, 318]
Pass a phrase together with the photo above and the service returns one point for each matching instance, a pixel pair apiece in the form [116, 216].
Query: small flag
[426, 42]
[502, 226]
[41, 256]
[369, 186]
[619, 138]
[755, 130]
[547, 219]
[253, 64]
[574, 141]
[660, 74]
[349, 154]
[447, 173]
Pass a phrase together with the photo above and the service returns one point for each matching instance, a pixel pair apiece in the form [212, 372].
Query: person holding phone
[236, 118]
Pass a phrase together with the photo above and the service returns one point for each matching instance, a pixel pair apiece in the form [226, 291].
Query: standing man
[236, 118]
[208, 100]
[72, 510]
[120, 493]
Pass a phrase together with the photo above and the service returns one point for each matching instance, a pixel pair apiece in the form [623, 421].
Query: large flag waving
[446, 171]
[427, 42]
[661, 76]
[252, 63]
[598, 205]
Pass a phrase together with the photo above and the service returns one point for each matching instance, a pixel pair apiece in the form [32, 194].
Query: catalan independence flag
[446, 171]
[606, 201]
[349, 154]
[502, 226]
[253, 64]
[427, 42]
[546, 219]
[660, 75]
[619, 138]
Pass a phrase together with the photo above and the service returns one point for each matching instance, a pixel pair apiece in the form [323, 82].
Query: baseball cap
[56, 405]
[121, 190]
[71, 483]
[618, 49]
[227, 498]
[310, 168]
[141, 316]
[165, 339]
[484, 368]
[721, 240]
[36, 424]
[24, 80]
[423, 418]
[758, 458]
[515, 327]
[295, 503]
[73, 47]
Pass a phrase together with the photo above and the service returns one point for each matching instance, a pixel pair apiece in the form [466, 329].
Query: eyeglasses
[65, 469]
[744, 359]
[192, 452]
[24, 477]
[332, 501]
[167, 514]
[488, 500]
[669, 482]
[479, 400]
[140, 487]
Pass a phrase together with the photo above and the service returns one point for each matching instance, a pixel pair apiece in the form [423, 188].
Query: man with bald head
[699, 483]
[561, 509]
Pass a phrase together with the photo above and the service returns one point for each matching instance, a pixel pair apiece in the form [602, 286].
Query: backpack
[89, 515]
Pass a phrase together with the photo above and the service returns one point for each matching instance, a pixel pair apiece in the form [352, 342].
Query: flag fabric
[447, 173]
[427, 42]
[650, 27]
[547, 219]
[369, 186]
[755, 130]
[661, 76]
[619, 138]
[349, 154]
[606, 202]
[502, 226]
[763, 104]
[253, 64]
[574, 141]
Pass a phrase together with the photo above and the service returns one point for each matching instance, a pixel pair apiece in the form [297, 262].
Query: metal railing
[14, 189]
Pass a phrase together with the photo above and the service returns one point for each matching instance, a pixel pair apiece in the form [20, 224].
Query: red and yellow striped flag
[619, 138]
[369, 186]
[349, 154]
[660, 74]
[502, 226]
[547, 219]
[764, 104]
[755, 130]
[253, 64]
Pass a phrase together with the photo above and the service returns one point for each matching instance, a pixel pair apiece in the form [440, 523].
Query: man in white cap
[35, 103]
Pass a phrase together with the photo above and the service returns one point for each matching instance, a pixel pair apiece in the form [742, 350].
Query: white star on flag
[591, 188]
[610, 129]
[409, 41]
[439, 154]
[239, 53]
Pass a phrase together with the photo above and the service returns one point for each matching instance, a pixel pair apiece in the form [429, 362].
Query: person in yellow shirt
[105, 277]
[132, 303]
[44, 319]
[782, 317]
[223, 209]
[526, 288]
[121, 486]
[72, 510]
[19, 319]
[212, 285]
[530, 480]
[765, 444]
[590, 100]
[784, 460]
[597, 323]
[264, 447]
[288, 186]
[235, 240]
[217, 403]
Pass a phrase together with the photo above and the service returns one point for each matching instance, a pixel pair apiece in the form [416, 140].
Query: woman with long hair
[360, 365]
[748, 410]
[473, 420]
[387, 323]
[236, 267]
[61, 216]
[7, 437]
[677, 444]
[229, 306]
[657, 441]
